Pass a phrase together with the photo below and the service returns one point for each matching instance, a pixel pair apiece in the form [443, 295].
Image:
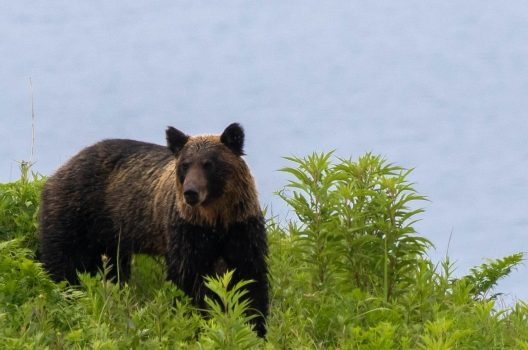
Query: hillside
[348, 271]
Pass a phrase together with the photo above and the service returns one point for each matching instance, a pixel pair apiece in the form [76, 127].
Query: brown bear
[193, 202]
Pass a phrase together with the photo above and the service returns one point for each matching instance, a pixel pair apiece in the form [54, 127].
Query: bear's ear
[233, 138]
[175, 139]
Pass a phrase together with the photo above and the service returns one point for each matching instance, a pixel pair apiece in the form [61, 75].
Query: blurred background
[439, 86]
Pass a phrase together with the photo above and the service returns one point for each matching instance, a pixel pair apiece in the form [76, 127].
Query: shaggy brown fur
[239, 200]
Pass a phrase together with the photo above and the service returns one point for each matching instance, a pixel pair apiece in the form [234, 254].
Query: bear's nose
[191, 197]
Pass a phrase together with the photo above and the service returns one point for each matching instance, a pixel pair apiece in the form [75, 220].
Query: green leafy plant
[484, 277]
[228, 324]
[355, 221]
[19, 203]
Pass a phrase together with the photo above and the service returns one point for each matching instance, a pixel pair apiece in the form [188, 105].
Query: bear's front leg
[246, 251]
[192, 254]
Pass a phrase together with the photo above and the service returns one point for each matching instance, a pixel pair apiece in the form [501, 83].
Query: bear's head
[213, 182]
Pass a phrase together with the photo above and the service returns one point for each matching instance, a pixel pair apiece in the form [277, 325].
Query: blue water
[441, 86]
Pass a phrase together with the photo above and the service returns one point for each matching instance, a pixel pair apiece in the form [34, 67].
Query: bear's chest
[220, 266]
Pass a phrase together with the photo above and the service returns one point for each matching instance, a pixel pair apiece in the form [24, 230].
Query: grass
[349, 272]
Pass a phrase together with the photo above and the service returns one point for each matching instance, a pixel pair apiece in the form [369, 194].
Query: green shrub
[227, 326]
[355, 222]
[19, 202]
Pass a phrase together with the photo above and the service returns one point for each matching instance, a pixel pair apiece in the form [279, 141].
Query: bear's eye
[208, 165]
[184, 167]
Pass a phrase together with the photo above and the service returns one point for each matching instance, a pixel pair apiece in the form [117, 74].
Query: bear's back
[101, 159]
[114, 154]
[106, 184]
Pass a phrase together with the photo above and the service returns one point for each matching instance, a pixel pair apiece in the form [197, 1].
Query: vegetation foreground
[349, 272]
